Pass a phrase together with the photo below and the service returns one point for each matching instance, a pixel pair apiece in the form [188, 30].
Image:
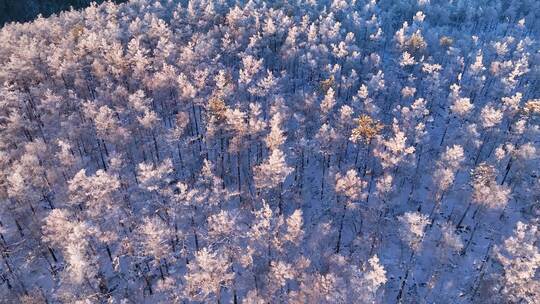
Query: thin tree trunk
[338, 245]
[323, 176]
[238, 165]
[404, 281]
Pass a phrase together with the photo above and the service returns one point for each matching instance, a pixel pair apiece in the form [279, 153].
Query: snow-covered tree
[207, 274]
[520, 257]
[413, 232]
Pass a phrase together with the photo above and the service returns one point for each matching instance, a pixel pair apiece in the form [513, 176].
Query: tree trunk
[338, 245]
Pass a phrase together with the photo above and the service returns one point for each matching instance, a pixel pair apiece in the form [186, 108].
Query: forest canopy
[272, 152]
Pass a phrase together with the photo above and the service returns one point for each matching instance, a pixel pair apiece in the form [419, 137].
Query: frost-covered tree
[272, 173]
[367, 281]
[349, 188]
[394, 150]
[413, 229]
[486, 190]
[520, 257]
[207, 275]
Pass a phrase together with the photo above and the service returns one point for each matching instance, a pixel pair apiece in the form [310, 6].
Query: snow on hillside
[272, 152]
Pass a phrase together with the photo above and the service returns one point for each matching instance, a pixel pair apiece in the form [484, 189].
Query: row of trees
[255, 152]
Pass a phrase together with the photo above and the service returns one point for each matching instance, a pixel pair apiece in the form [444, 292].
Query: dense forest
[220, 151]
[26, 10]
